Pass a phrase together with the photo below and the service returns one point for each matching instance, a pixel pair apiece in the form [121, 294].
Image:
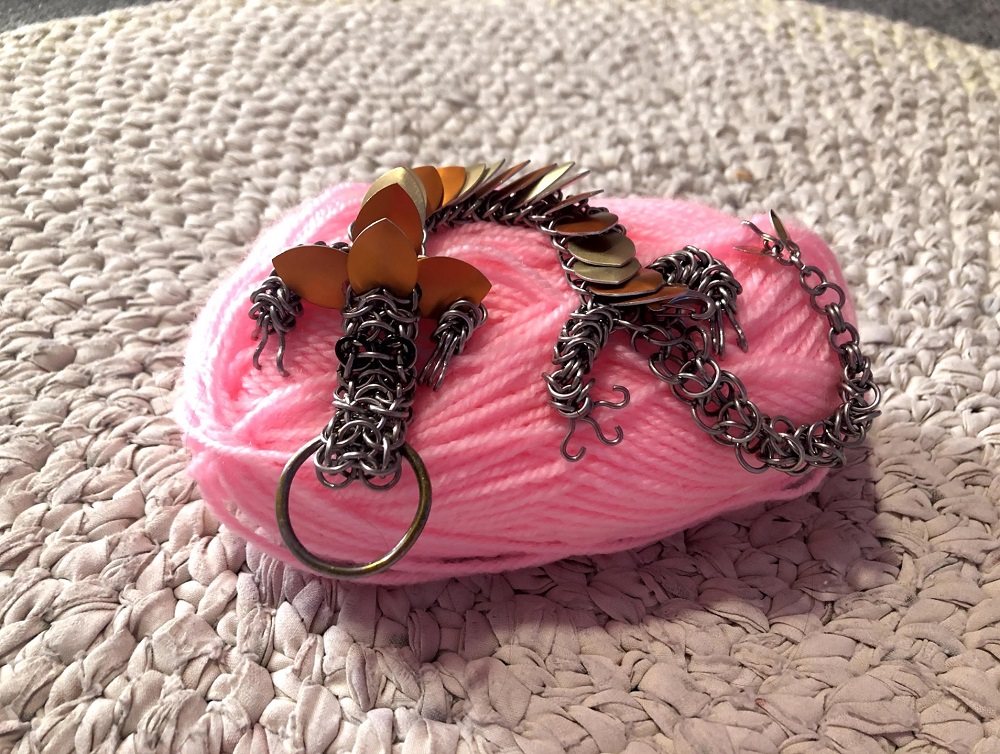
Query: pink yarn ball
[503, 497]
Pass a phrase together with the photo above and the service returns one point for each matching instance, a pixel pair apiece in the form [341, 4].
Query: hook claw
[258, 350]
[564, 448]
[741, 338]
[279, 360]
[619, 432]
[262, 334]
[603, 438]
[626, 398]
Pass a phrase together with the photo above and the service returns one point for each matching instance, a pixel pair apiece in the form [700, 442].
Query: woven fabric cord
[505, 497]
[143, 151]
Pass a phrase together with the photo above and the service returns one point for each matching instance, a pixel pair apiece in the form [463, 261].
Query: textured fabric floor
[140, 152]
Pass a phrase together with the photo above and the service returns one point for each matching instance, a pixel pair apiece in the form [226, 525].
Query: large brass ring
[344, 570]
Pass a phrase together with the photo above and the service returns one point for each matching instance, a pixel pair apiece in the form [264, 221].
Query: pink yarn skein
[503, 496]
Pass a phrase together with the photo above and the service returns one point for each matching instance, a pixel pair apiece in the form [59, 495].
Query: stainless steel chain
[275, 307]
[376, 382]
[685, 347]
[453, 331]
[676, 313]
[719, 402]
[700, 271]
[576, 350]
[376, 386]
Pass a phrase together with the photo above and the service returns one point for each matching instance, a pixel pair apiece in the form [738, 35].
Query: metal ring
[344, 570]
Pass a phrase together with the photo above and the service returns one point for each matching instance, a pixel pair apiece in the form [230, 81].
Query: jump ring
[343, 570]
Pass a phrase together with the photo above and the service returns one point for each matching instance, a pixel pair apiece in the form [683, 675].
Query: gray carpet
[142, 150]
[973, 21]
[15, 13]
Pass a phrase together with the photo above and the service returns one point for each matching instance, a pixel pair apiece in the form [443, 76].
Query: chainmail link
[700, 271]
[582, 338]
[376, 384]
[687, 335]
[455, 327]
[720, 405]
[274, 307]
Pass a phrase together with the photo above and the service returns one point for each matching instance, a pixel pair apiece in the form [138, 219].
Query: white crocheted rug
[141, 151]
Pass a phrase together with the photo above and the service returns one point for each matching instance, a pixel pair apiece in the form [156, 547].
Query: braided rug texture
[143, 150]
